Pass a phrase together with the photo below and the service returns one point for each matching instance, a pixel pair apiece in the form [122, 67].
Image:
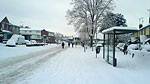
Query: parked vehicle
[147, 41]
[11, 43]
[121, 46]
[146, 45]
[34, 43]
[21, 40]
[15, 39]
[27, 41]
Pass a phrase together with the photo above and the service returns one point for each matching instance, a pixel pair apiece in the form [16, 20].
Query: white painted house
[31, 34]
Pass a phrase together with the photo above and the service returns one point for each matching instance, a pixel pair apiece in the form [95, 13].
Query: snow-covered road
[74, 66]
[21, 66]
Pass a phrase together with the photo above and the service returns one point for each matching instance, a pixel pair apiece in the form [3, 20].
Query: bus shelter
[109, 42]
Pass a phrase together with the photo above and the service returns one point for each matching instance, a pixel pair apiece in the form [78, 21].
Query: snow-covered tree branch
[87, 14]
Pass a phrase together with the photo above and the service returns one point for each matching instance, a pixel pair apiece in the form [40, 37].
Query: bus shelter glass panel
[110, 49]
[106, 47]
[109, 46]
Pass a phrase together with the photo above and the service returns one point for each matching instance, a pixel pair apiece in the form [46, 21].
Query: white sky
[50, 14]
[133, 10]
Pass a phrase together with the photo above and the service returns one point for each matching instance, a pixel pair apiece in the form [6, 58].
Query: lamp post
[149, 14]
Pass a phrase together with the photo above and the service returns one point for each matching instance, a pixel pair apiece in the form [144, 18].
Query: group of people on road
[63, 44]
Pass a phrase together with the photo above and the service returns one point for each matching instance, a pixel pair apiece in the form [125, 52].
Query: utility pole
[149, 14]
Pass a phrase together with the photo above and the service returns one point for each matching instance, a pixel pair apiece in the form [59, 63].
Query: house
[38, 35]
[51, 36]
[144, 32]
[7, 29]
[31, 34]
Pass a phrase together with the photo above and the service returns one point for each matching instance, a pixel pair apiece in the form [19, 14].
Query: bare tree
[87, 15]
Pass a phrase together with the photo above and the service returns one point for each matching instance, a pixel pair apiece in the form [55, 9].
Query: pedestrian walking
[63, 44]
[68, 44]
[82, 43]
[72, 44]
[76, 43]
[125, 49]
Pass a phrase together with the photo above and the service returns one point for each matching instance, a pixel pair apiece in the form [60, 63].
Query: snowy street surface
[14, 67]
[74, 66]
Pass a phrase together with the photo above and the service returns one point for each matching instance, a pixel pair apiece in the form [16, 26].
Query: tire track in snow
[23, 66]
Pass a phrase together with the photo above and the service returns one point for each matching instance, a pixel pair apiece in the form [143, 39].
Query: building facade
[31, 34]
[144, 31]
[51, 37]
[7, 30]
[38, 35]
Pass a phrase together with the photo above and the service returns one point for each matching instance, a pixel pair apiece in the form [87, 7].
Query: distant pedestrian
[76, 43]
[63, 44]
[82, 43]
[68, 44]
[72, 44]
[125, 49]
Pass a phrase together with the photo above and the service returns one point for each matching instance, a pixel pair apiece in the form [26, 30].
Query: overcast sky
[50, 14]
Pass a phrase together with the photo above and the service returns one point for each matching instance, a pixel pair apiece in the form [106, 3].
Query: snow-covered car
[33, 42]
[15, 39]
[11, 43]
[145, 47]
[27, 42]
[121, 46]
[20, 40]
[147, 41]
[132, 48]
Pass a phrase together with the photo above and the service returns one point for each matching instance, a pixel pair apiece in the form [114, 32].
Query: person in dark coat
[63, 44]
[72, 44]
[125, 49]
[68, 44]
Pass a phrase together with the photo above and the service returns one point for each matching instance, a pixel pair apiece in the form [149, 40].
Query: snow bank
[20, 50]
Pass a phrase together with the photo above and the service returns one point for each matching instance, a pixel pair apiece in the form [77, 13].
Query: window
[2, 25]
[37, 31]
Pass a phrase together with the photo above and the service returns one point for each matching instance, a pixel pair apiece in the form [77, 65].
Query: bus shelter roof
[120, 30]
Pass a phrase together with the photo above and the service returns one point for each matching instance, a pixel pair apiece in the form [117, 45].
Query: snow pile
[20, 50]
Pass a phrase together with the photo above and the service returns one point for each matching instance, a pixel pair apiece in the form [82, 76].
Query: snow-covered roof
[145, 26]
[6, 31]
[28, 29]
[121, 29]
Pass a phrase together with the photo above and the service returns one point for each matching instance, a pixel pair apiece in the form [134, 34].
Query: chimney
[140, 26]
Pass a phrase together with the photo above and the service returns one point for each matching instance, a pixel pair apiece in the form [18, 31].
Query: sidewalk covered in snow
[109, 42]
